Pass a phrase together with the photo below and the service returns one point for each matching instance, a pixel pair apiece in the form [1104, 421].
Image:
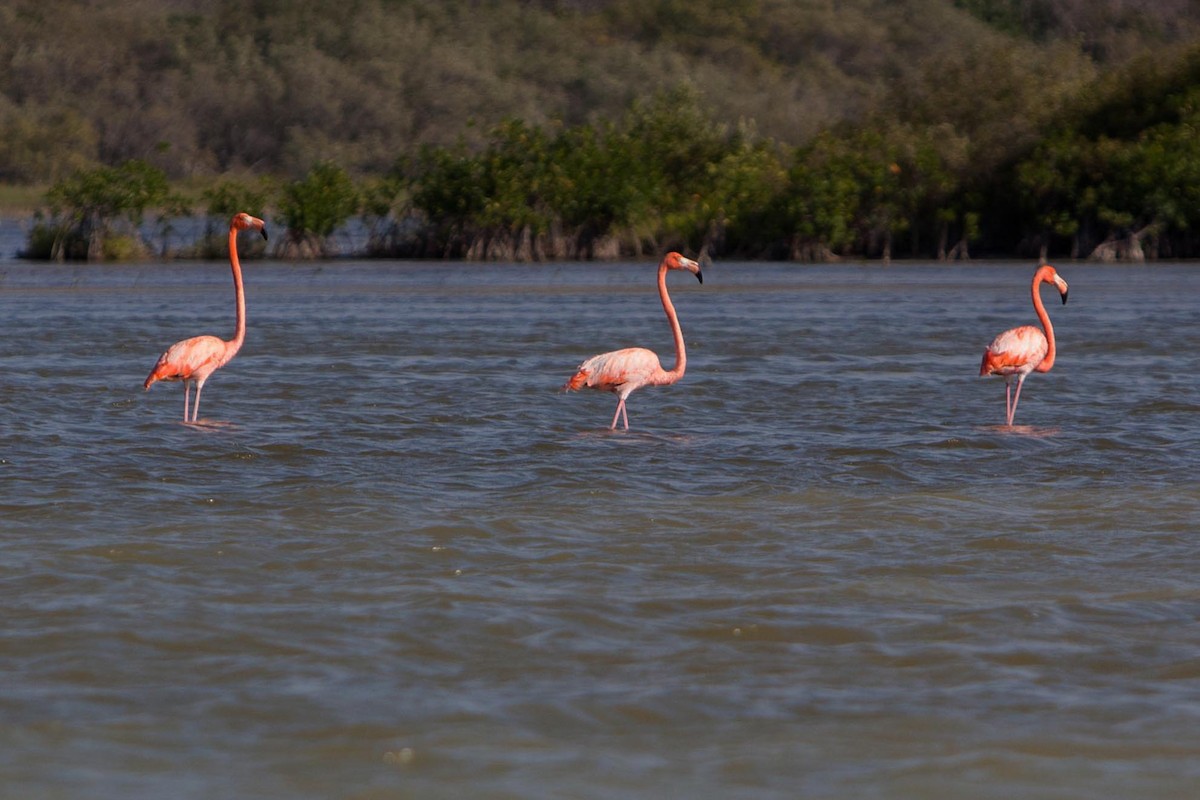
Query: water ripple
[398, 560]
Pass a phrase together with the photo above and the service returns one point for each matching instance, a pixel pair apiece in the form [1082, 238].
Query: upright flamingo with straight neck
[1020, 351]
[193, 360]
[624, 371]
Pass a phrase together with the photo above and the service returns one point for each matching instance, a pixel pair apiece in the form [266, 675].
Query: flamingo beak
[692, 266]
[264, 232]
[1061, 285]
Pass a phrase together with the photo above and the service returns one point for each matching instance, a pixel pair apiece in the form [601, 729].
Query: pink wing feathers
[620, 371]
[1015, 351]
[190, 359]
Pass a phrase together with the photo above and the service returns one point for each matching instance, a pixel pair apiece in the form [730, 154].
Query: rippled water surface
[398, 562]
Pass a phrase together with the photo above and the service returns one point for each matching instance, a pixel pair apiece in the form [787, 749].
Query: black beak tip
[700, 276]
[1064, 298]
[264, 233]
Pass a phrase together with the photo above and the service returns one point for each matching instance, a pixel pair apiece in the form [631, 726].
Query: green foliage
[93, 208]
[1157, 182]
[315, 206]
[1103, 28]
[515, 175]
[1033, 19]
[665, 175]
[591, 191]
[757, 127]
[384, 210]
[1098, 180]
[221, 201]
[37, 144]
[106, 194]
[727, 209]
[850, 194]
[227, 197]
[1050, 182]
[202, 88]
[123, 247]
[447, 188]
[671, 147]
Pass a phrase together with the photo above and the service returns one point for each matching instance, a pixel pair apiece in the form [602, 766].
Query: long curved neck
[672, 375]
[239, 333]
[1040, 309]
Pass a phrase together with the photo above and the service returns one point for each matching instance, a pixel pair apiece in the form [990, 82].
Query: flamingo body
[620, 372]
[193, 360]
[190, 360]
[1019, 351]
[1016, 351]
[624, 371]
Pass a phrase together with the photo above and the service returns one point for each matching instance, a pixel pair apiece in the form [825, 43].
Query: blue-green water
[399, 562]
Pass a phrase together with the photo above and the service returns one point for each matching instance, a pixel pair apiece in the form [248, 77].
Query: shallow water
[396, 561]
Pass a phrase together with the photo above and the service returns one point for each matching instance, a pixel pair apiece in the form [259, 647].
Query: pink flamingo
[193, 360]
[623, 371]
[1020, 351]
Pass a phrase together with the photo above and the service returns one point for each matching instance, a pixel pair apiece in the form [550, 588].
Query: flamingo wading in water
[623, 371]
[193, 360]
[1020, 351]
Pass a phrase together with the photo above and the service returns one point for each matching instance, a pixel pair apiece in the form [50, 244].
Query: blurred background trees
[96, 214]
[599, 128]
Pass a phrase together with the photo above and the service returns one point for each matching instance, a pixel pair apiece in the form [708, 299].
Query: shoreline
[14, 231]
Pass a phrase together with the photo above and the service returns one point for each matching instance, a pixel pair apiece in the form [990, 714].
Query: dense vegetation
[595, 128]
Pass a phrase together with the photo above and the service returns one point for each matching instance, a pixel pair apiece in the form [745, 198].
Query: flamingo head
[1047, 274]
[242, 221]
[674, 260]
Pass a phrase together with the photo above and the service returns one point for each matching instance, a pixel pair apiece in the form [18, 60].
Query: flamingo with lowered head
[623, 371]
[1025, 349]
[193, 360]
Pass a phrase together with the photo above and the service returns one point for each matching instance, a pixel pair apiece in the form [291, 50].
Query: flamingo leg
[617, 414]
[1016, 397]
[1008, 409]
[625, 415]
[187, 391]
[196, 408]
